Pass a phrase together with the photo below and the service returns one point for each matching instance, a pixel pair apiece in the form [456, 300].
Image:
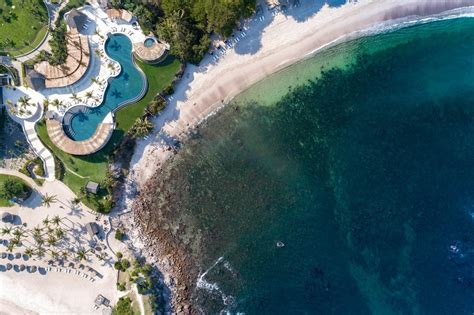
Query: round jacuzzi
[149, 42]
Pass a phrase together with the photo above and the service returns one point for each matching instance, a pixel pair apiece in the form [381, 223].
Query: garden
[12, 187]
[23, 25]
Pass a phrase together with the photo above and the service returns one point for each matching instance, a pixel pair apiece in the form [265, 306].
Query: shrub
[168, 90]
[121, 286]
[118, 234]
[14, 188]
[147, 268]
[125, 264]
[123, 307]
[118, 265]
[156, 106]
[119, 255]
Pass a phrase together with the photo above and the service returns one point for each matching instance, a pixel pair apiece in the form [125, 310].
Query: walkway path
[40, 150]
[27, 179]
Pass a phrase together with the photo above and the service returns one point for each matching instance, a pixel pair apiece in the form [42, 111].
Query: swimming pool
[81, 121]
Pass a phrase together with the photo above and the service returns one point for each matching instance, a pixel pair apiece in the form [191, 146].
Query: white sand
[54, 292]
[269, 46]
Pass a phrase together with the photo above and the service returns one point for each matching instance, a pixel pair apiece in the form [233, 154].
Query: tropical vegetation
[12, 187]
[188, 24]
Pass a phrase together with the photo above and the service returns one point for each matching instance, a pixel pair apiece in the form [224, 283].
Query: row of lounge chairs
[69, 270]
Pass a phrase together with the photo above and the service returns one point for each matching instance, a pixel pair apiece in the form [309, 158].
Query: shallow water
[361, 161]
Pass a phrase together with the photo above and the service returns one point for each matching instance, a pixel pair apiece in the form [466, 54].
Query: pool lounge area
[83, 129]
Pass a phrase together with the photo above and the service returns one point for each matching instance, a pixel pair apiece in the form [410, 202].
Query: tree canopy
[187, 24]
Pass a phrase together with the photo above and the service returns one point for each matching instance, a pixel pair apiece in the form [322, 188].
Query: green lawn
[94, 167]
[23, 25]
[3, 178]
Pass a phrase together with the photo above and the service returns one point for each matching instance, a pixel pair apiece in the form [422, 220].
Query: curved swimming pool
[125, 87]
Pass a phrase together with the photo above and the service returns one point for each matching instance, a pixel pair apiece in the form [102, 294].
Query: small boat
[280, 244]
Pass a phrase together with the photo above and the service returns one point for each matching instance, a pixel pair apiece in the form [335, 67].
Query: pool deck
[93, 144]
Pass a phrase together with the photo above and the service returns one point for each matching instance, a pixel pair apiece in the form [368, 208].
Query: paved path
[27, 179]
[36, 145]
[40, 150]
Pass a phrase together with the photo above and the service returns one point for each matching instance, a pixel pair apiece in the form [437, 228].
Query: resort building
[92, 187]
[35, 80]
[76, 20]
[92, 228]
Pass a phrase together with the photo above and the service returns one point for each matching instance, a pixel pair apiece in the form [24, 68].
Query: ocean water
[360, 161]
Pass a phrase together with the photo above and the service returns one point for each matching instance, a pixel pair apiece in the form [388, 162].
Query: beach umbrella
[17, 255]
[33, 269]
[4, 255]
[71, 265]
[9, 266]
[22, 267]
[81, 266]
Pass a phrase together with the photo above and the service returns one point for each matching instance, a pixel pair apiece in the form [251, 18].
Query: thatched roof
[125, 15]
[35, 80]
[76, 19]
[92, 228]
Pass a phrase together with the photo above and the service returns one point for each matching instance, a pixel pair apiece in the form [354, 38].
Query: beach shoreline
[205, 89]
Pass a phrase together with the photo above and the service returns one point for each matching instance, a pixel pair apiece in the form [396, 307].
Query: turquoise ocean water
[361, 161]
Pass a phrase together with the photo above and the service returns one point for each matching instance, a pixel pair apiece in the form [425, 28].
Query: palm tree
[45, 104]
[64, 254]
[56, 220]
[6, 230]
[37, 231]
[29, 251]
[48, 200]
[54, 254]
[81, 255]
[40, 251]
[51, 240]
[142, 127]
[74, 97]
[10, 247]
[89, 95]
[39, 241]
[57, 103]
[23, 101]
[94, 80]
[59, 233]
[46, 221]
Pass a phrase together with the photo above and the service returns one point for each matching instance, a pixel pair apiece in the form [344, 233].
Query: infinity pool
[83, 120]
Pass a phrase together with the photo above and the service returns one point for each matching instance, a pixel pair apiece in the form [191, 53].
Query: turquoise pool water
[126, 86]
[149, 42]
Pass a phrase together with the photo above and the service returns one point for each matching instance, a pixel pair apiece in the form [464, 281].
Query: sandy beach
[266, 46]
[269, 46]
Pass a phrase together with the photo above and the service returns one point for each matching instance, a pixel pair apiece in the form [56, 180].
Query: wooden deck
[93, 144]
[75, 66]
